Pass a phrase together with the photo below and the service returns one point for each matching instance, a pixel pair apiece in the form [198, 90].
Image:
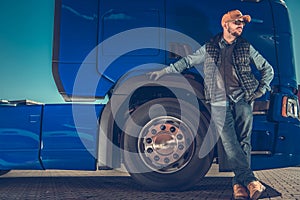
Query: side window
[116, 21]
[75, 33]
[130, 36]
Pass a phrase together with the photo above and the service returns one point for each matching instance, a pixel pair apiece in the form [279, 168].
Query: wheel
[161, 150]
[2, 172]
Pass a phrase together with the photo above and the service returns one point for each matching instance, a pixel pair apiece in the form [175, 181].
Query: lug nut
[166, 160]
[180, 147]
[176, 156]
[162, 127]
[149, 140]
[172, 129]
[179, 136]
[150, 150]
[153, 131]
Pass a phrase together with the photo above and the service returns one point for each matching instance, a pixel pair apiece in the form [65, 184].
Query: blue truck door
[80, 26]
[20, 127]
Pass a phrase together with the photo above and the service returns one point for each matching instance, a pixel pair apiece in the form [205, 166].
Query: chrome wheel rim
[166, 144]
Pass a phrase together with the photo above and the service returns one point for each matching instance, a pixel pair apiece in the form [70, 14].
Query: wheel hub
[164, 143]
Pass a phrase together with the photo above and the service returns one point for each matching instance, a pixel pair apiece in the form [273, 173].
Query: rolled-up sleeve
[265, 69]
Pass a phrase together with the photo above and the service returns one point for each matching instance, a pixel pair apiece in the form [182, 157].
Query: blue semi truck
[160, 130]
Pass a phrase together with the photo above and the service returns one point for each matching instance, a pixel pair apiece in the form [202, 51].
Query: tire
[161, 151]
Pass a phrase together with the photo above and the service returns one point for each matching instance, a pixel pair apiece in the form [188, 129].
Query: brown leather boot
[240, 192]
[255, 189]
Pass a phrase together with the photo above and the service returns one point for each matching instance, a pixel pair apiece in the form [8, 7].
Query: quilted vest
[241, 61]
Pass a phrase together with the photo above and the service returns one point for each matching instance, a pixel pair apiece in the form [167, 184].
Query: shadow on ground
[110, 187]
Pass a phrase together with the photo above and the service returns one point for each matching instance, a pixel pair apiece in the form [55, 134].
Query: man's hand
[256, 95]
[156, 74]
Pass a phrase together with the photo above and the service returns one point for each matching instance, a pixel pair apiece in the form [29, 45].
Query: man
[230, 55]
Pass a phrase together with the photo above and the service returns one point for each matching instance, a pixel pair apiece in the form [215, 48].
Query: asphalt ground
[112, 184]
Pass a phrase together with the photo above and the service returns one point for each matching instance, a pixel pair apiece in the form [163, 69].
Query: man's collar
[225, 43]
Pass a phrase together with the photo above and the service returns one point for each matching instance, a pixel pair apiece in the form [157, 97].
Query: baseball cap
[234, 15]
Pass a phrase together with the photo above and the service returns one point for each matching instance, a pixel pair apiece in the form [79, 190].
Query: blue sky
[26, 49]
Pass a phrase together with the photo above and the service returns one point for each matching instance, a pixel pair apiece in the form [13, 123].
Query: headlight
[290, 107]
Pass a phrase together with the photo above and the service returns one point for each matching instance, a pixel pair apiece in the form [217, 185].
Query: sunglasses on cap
[238, 22]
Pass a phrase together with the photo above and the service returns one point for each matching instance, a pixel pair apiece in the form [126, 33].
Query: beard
[234, 32]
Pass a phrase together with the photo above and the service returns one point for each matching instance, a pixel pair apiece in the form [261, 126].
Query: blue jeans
[235, 133]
